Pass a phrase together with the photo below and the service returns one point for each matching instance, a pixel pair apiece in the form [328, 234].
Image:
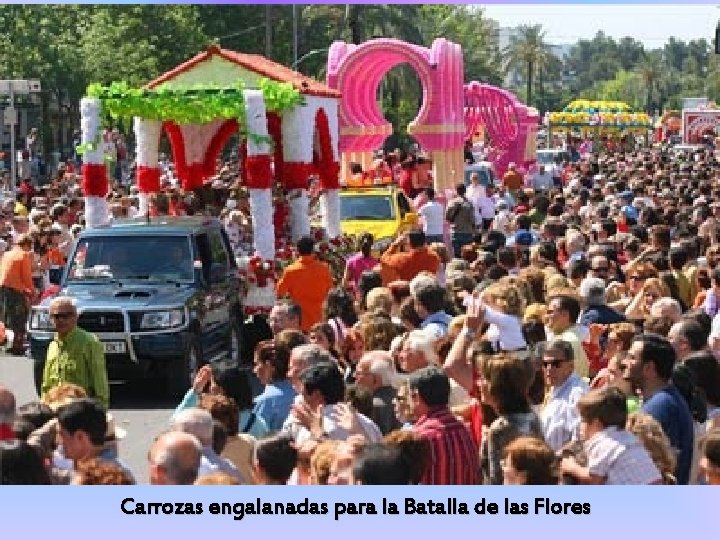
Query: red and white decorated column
[328, 133]
[297, 135]
[147, 137]
[94, 171]
[258, 174]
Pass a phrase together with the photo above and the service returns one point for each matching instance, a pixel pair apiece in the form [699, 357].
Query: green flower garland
[198, 104]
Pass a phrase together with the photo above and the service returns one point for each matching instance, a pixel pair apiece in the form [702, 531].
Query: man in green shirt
[74, 355]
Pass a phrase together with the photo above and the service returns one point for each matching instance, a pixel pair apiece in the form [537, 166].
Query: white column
[96, 208]
[260, 198]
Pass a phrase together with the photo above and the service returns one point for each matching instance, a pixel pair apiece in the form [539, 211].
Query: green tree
[468, 27]
[117, 45]
[528, 51]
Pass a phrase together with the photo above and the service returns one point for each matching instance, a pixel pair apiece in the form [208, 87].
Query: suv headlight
[40, 320]
[163, 319]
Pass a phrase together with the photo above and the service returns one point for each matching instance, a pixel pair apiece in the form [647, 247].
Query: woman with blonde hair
[619, 295]
[651, 434]
[651, 291]
[379, 299]
[555, 281]
[503, 308]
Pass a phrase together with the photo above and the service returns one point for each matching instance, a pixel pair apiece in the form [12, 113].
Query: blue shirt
[273, 405]
[670, 409]
[436, 324]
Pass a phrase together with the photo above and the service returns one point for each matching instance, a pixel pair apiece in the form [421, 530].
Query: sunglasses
[62, 315]
[554, 363]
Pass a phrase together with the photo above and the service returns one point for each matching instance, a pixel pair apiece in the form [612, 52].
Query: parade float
[510, 125]
[588, 118]
[450, 113]
[287, 125]
[700, 122]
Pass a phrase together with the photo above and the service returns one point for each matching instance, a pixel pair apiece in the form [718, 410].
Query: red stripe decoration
[178, 150]
[94, 180]
[216, 145]
[297, 175]
[195, 177]
[274, 126]
[148, 179]
[327, 168]
[258, 172]
[329, 175]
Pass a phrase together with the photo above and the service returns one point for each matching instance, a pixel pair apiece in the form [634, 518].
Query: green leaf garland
[198, 104]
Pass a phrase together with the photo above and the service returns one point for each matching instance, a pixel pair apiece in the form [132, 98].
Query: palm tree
[653, 71]
[528, 50]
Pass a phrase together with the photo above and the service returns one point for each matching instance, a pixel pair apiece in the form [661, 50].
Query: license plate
[114, 347]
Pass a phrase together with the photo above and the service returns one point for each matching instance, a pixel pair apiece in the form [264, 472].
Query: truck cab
[163, 297]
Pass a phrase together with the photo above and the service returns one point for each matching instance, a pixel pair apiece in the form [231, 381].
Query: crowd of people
[566, 331]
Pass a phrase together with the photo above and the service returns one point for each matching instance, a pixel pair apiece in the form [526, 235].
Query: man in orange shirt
[307, 282]
[513, 180]
[16, 289]
[410, 263]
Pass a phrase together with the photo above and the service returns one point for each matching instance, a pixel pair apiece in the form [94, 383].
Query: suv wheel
[181, 374]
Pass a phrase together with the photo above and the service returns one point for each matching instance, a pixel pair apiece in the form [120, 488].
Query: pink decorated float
[511, 125]
[450, 113]
[357, 70]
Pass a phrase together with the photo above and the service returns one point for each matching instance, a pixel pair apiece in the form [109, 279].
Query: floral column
[147, 136]
[94, 171]
[258, 174]
[329, 169]
[297, 136]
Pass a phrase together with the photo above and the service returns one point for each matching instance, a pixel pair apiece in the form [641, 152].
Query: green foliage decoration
[198, 104]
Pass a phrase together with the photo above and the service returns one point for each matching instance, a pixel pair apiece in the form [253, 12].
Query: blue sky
[650, 24]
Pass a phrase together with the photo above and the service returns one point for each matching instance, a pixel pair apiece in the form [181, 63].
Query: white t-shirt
[484, 205]
[433, 218]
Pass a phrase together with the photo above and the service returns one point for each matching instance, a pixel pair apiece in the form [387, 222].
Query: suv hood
[134, 296]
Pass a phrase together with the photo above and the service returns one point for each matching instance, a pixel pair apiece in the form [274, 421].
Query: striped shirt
[453, 458]
[619, 457]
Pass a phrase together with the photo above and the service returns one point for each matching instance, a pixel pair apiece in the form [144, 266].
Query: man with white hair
[592, 291]
[376, 372]
[7, 414]
[199, 423]
[303, 357]
[575, 246]
[418, 351]
[666, 307]
[174, 459]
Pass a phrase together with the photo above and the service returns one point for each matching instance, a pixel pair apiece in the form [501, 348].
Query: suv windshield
[366, 207]
[132, 257]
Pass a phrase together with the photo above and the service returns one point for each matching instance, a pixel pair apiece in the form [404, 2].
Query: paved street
[141, 417]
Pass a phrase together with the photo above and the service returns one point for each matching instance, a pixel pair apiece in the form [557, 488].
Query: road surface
[141, 416]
